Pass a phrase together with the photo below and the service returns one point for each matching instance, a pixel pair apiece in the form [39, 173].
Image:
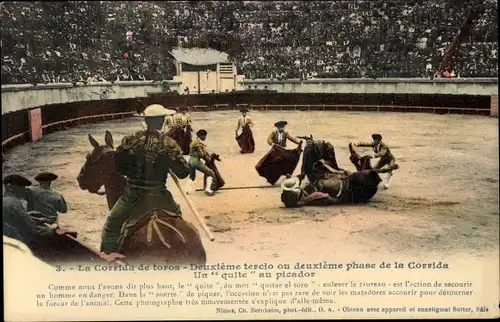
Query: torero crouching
[199, 152]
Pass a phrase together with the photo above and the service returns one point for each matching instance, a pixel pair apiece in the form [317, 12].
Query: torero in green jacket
[145, 159]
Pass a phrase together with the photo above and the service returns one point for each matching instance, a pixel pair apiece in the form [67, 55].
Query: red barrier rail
[78, 119]
[112, 115]
[12, 138]
[372, 107]
[346, 107]
[275, 106]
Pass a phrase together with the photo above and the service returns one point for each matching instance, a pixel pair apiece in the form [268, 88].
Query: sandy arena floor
[443, 200]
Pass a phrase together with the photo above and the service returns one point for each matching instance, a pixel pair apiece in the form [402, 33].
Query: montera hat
[156, 110]
[46, 176]
[377, 137]
[290, 184]
[244, 110]
[16, 180]
[201, 133]
[280, 123]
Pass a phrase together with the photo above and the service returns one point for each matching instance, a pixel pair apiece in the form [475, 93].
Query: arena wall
[18, 97]
[29, 112]
[458, 86]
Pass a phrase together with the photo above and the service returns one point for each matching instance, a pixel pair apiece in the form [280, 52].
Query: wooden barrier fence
[375, 108]
[36, 131]
[61, 125]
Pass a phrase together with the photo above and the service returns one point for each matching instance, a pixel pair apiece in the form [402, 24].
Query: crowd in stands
[73, 41]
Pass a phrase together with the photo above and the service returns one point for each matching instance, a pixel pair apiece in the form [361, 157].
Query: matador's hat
[377, 137]
[244, 110]
[280, 123]
[201, 133]
[46, 176]
[156, 110]
[16, 180]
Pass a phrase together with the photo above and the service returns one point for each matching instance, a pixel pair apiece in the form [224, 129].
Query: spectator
[70, 41]
[129, 35]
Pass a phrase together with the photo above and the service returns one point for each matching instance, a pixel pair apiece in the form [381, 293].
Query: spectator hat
[46, 176]
[155, 110]
[280, 123]
[16, 180]
[377, 137]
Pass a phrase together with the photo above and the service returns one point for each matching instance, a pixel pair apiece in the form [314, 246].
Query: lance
[385, 170]
[249, 187]
[88, 247]
[193, 208]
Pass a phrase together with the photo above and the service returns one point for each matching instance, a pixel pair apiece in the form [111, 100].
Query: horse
[320, 166]
[184, 239]
[317, 149]
[314, 151]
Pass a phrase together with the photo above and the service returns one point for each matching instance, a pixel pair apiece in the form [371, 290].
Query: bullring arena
[443, 200]
[424, 74]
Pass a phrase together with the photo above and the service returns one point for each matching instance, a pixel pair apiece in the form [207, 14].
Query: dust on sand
[443, 200]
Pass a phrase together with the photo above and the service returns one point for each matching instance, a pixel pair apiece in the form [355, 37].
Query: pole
[385, 170]
[193, 208]
[239, 188]
[87, 246]
[464, 29]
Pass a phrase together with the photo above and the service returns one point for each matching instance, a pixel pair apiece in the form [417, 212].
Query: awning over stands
[199, 56]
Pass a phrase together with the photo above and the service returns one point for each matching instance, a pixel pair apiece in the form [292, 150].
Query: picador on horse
[145, 159]
[327, 184]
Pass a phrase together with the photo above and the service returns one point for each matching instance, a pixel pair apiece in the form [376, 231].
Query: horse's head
[309, 139]
[98, 166]
[315, 149]
[299, 146]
